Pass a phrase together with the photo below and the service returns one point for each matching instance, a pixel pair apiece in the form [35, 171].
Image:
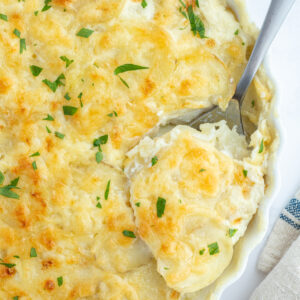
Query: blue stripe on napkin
[291, 213]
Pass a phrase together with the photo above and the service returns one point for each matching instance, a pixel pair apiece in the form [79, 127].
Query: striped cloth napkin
[281, 257]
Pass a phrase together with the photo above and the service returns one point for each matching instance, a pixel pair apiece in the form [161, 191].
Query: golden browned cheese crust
[67, 227]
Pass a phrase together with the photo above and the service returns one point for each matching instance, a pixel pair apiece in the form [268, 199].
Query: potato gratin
[92, 204]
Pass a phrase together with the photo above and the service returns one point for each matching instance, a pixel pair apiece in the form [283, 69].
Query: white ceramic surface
[283, 63]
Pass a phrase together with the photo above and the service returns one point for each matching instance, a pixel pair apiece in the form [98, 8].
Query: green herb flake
[35, 154]
[6, 190]
[144, 3]
[160, 206]
[261, 147]
[35, 70]
[16, 256]
[182, 3]
[245, 172]
[17, 33]
[69, 110]
[102, 140]
[243, 44]
[166, 268]
[106, 193]
[112, 114]
[16, 298]
[154, 160]
[129, 233]
[231, 232]
[84, 32]
[138, 204]
[213, 248]
[124, 82]
[59, 135]
[33, 252]
[98, 205]
[34, 165]
[67, 97]
[36, 12]
[197, 3]
[48, 130]
[60, 281]
[49, 118]
[22, 45]
[55, 84]
[197, 26]
[128, 67]
[46, 6]
[7, 265]
[67, 61]
[202, 170]
[236, 32]
[3, 17]
[1, 177]
[201, 252]
[99, 157]
[252, 103]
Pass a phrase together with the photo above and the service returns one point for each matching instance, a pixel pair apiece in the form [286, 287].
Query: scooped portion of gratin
[193, 197]
[92, 205]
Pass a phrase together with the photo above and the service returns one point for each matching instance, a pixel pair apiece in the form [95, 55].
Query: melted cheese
[56, 213]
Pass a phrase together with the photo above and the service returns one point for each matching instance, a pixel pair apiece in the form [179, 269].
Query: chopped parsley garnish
[154, 160]
[35, 70]
[84, 32]
[182, 3]
[102, 140]
[6, 190]
[201, 252]
[7, 265]
[197, 26]
[98, 205]
[69, 110]
[160, 206]
[138, 204]
[243, 43]
[46, 6]
[236, 32]
[16, 298]
[261, 147]
[80, 99]
[67, 97]
[59, 135]
[245, 172]
[1, 177]
[106, 193]
[55, 84]
[3, 17]
[129, 234]
[17, 33]
[49, 118]
[231, 232]
[197, 3]
[36, 12]
[144, 3]
[126, 68]
[48, 130]
[166, 268]
[202, 170]
[16, 256]
[99, 157]
[34, 165]
[112, 114]
[66, 60]
[33, 252]
[252, 103]
[60, 281]
[22, 45]
[213, 248]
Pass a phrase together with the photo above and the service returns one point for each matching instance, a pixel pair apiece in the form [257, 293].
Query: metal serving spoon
[277, 13]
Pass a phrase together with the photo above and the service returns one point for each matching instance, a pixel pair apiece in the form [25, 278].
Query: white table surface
[284, 64]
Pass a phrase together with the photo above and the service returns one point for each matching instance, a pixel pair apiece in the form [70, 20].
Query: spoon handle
[277, 13]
